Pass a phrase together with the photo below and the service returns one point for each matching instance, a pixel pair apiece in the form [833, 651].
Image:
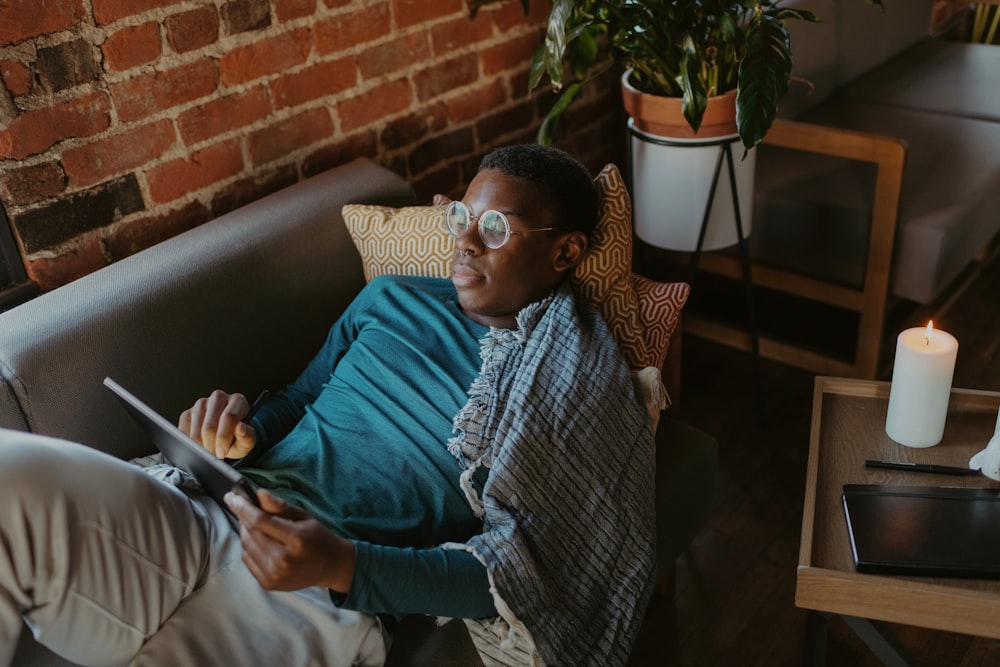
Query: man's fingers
[270, 542]
[285, 549]
[259, 554]
[274, 518]
[240, 506]
[214, 428]
[278, 507]
[184, 421]
[216, 423]
[245, 439]
[222, 412]
[192, 419]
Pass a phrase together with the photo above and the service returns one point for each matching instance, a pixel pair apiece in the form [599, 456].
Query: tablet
[215, 476]
[914, 530]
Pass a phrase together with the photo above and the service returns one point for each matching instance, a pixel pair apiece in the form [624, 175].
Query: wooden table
[848, 427]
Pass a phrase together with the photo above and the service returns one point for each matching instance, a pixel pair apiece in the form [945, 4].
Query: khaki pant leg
[94, 554]
[231, 620]
[109, 566]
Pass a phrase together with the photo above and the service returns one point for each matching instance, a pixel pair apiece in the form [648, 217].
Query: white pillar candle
[921, 386]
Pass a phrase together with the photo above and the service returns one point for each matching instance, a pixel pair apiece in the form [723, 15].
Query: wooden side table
[848, 427]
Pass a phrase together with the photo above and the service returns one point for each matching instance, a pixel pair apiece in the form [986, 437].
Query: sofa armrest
[241, 302]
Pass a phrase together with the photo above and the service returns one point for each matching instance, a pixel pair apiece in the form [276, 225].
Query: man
[466, 448]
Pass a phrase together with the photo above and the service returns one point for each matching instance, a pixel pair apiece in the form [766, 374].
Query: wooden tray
[848, 427]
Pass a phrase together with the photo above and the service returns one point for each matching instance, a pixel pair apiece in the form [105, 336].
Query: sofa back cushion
[868, 37]
[851, 38]
[814, 57]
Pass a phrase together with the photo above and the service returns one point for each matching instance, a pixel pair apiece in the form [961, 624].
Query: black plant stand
[725, 145]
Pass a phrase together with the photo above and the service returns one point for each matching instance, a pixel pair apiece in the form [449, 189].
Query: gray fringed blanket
[568, 536]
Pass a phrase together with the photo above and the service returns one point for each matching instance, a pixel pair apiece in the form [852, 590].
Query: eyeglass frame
[479, 227]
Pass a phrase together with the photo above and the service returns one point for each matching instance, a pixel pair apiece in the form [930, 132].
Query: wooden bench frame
[870, 301]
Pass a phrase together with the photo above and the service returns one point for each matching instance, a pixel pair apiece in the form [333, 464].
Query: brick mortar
[394, 153]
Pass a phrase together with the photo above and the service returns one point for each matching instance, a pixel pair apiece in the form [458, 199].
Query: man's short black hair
[563, 180]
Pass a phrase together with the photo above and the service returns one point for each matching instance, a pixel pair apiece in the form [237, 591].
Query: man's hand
[215, 422]
[286, 549]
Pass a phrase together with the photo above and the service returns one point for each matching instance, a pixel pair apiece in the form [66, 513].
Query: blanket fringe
[471, 496]
[502, 641]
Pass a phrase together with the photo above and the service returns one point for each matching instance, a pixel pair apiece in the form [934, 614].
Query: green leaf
[695, 99]
[538, 67]
[783, 14]
[676, 47]
[763, 77]
[555, 40]
[553, 119]
[582, 48]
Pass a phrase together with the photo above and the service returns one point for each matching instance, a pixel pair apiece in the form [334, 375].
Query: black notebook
[918, 530]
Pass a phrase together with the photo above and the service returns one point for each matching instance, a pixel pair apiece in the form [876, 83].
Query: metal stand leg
[696, 255]
[745, 262]
[874, 634]
[817, 623]
[727, 152]
[878, 638]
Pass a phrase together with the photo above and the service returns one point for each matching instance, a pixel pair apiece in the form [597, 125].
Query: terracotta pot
[672, 181]
[662, 116]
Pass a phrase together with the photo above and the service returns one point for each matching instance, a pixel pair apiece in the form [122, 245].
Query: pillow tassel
[654, 394]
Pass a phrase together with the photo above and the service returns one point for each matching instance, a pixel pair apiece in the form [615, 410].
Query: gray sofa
[212, 307]
[882, 73]
[242, 303]
[880, 182]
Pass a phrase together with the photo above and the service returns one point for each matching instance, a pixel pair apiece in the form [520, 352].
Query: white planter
[671, 186]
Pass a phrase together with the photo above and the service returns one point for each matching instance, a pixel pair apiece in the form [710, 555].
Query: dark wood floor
[736, 586]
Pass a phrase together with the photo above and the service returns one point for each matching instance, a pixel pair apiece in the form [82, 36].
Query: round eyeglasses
[494, 228]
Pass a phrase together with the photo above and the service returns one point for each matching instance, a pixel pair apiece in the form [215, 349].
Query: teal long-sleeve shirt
[359, 441]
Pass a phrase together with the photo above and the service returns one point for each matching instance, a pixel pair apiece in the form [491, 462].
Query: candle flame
[927, 334]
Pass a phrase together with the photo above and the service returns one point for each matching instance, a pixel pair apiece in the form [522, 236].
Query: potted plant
[692, 50]
[728, 61]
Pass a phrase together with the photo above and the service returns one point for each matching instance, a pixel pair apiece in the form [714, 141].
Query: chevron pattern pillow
[642, 313]
[605, 274]
[660, 307]
[406, 241]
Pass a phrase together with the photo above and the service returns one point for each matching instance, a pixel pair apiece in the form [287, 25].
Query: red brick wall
[124, 122]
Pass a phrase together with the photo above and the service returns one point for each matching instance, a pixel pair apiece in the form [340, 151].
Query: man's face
[494, 285]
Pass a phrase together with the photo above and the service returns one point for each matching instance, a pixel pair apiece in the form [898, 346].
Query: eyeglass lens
[494, 229]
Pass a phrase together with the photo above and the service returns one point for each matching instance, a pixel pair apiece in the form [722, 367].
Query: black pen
[920, 467]
[256, 404]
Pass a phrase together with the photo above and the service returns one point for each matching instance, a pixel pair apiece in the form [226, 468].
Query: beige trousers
[109, 566]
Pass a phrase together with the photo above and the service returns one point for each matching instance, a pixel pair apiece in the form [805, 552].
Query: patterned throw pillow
[642, 313]
[406, 241]
[660, 307]
[605, 274]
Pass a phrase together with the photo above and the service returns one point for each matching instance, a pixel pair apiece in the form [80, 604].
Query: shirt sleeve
[436, 582]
